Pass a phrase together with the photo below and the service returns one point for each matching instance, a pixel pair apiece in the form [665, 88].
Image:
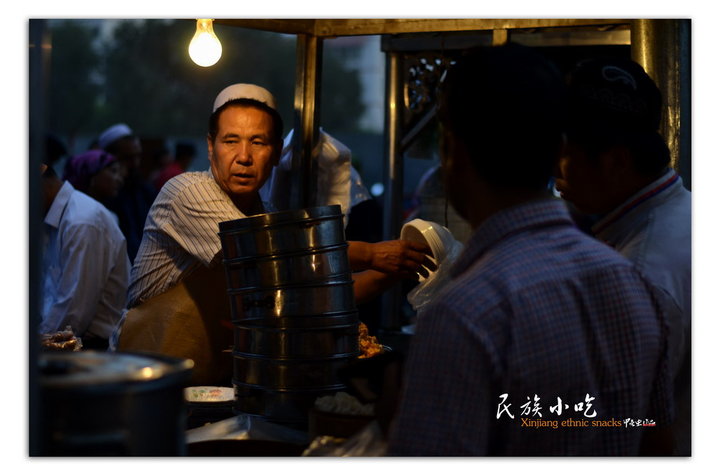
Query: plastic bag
[423, 294]
[367, 442]
[337, 182]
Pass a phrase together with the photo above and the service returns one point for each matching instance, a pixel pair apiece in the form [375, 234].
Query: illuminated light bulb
[205, 48]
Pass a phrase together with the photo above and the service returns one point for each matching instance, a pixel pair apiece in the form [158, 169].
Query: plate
[209, 394]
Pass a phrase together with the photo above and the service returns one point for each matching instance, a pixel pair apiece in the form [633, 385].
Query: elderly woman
[95, 173]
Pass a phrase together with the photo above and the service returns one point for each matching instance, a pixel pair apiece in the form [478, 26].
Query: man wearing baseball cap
[176, 300]
[617, 168]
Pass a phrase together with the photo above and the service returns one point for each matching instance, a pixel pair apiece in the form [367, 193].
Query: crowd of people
[577, 306]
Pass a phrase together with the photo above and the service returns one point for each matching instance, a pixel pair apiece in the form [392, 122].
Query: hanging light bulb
[205, 48]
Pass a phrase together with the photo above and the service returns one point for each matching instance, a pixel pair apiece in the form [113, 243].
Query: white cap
[244, 91]
[113, 133]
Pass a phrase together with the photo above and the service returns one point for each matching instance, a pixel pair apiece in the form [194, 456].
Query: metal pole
[393, 173]
[307, 111]
[393, 178]
[662, 47]
[39, 59]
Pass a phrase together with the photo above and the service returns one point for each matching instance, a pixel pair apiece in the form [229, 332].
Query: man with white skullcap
[132, 203]
[177, 301]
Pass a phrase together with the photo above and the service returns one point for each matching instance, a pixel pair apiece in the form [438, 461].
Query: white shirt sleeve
[78, 281]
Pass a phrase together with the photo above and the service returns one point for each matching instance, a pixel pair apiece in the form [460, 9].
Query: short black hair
[507, 105]
[54, 148]
[245, 102]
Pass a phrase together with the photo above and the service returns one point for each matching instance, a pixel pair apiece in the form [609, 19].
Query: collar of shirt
[513, 220]
[649, 196]
[267, 207]
[54, 215]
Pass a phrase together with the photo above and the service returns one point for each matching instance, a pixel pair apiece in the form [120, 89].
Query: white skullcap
[244, 91]
[113, 133]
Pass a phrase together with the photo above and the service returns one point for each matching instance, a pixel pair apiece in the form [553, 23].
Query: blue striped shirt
[181, 232]
[541, 314]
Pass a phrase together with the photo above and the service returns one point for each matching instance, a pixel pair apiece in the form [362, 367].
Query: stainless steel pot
[112, 404]
[303, 267]
[297, 342]
[295, 373]
[335, 296]
[293, 306]
[286, 406]
[282, 232]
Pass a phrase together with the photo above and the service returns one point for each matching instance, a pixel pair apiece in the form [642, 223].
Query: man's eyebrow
[233, 135]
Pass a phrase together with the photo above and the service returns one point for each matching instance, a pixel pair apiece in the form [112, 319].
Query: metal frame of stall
[661, 46]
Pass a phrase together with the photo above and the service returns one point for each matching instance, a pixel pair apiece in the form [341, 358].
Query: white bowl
[434, 235]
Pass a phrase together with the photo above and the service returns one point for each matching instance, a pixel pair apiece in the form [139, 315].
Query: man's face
[108, 182]
[244, 151]
[584, 182]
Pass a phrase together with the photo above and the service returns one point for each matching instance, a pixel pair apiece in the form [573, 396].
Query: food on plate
[61, 340]
[369, 345]
[209, 394]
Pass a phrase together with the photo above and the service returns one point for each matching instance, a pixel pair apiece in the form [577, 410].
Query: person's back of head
[54, 149]
[507, 106]
[185, 152]
[614, 102]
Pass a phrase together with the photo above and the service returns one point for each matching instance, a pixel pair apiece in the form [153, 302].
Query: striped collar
[645, 194]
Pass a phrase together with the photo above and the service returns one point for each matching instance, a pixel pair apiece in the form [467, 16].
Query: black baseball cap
[614, 93]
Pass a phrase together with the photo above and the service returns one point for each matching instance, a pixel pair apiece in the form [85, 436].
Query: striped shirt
[653, 230]
[181, 232]
[541, 323]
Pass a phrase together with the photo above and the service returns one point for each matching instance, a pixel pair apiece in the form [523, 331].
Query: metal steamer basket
[112, 404]
[293, 310]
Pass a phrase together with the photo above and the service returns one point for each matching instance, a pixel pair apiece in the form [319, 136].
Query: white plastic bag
[423, 294]
[334, 181]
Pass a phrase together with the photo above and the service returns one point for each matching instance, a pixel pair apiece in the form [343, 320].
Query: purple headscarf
[81, 168]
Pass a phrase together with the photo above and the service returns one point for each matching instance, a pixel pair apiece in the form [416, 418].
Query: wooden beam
[381, 26]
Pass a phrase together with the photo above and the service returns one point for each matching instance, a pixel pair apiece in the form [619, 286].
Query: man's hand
[396, 257]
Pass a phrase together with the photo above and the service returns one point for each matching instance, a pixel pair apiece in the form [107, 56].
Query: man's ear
[209, 147]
